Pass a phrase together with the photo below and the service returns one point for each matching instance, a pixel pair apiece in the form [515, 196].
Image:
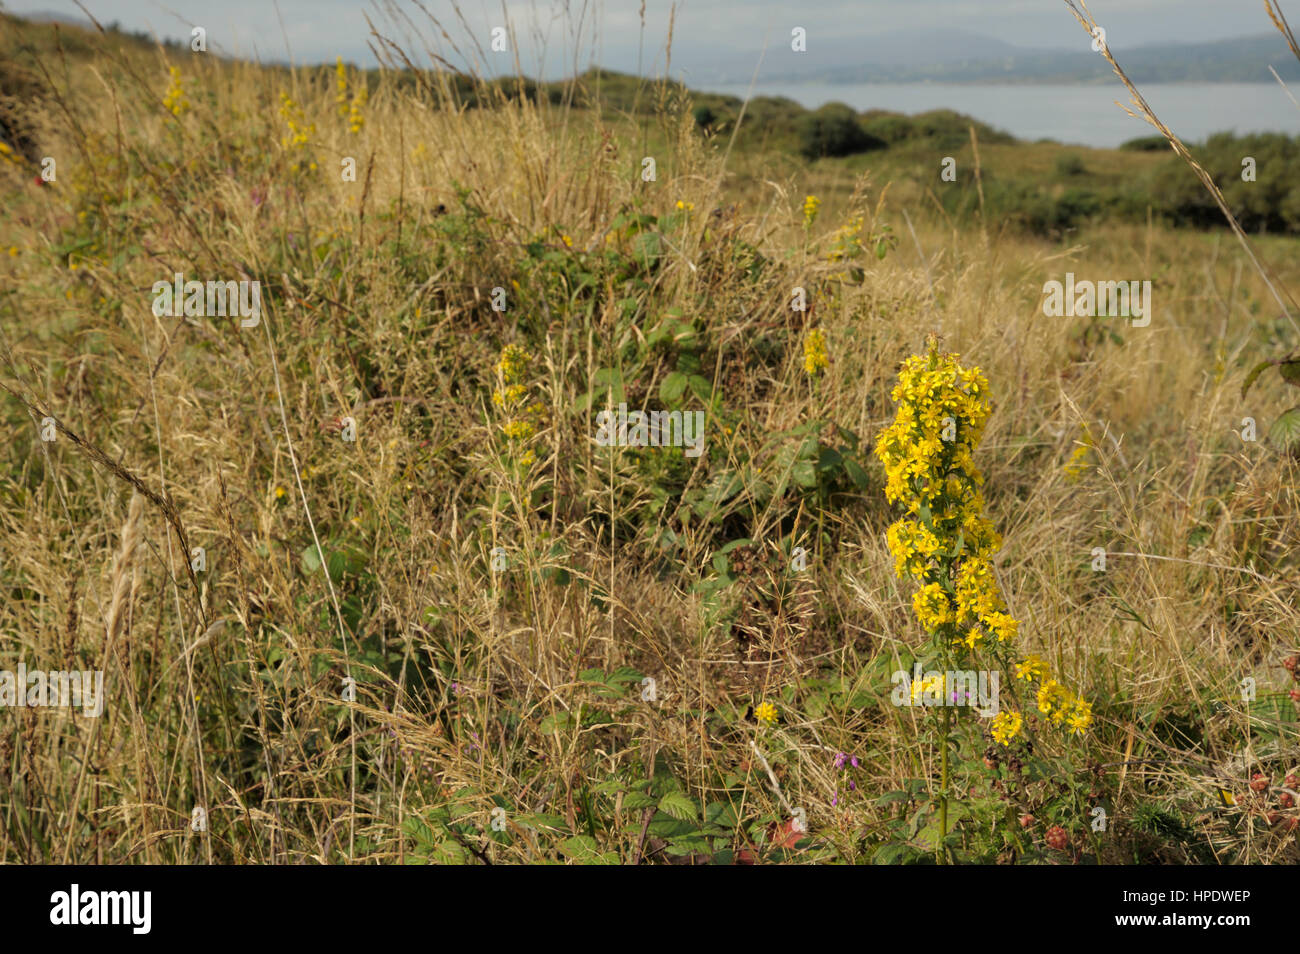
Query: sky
[553, 35]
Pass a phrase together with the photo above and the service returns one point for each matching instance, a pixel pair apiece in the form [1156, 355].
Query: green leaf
[701, 387]
[684, 335]
[611, 786]
[723, 487]
[584, 848]
[665, 826]
[1290, 371]
[634, 800]
[856, 473]
[889, 797]
[624, 675]
[672, 388]
[555, 723]
[891, 854]
[556, 574]
[721, 814]
[1285, 432]
[611, 378]
[829, 459]
[734, 544]
[647, 248]
[804, 473]
[680, 806]
[1255, 372]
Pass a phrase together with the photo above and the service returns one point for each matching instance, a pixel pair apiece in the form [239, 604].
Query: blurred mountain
[958, 56]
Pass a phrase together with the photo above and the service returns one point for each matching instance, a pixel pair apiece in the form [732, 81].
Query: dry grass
[474, 690]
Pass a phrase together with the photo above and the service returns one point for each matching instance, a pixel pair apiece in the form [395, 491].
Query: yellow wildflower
[341, 97]
[300, 131]
[1051, 696]
[513, 364]
[944, 541]
[1006, 726]
[810, 205]
[933, 608]
[935, 685]
[175, 101]
[1080, 717]
[1033, 667]
[519, 430]
[815, 358]
[1077, 465]
[355, 118]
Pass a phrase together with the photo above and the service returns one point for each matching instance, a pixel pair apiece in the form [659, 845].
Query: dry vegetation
[523, 688]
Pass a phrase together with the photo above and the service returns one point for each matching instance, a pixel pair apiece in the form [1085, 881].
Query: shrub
[834, 130]
[1146, 144]
[1069, 164]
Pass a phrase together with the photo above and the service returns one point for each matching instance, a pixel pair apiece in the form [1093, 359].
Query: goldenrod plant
[946, 544]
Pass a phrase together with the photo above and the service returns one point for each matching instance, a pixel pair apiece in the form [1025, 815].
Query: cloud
[319, 30]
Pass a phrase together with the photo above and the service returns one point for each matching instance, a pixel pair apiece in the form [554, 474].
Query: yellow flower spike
[174, 101]
[810, 206]
[815, 358]
[944, 541]
[1077, 465]
[514, 363]
[341, 97]
[932, 606]
[519, 430]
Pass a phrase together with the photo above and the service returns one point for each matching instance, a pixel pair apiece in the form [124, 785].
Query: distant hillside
[964, 57]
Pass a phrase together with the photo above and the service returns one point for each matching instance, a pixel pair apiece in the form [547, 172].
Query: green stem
[943, 784]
